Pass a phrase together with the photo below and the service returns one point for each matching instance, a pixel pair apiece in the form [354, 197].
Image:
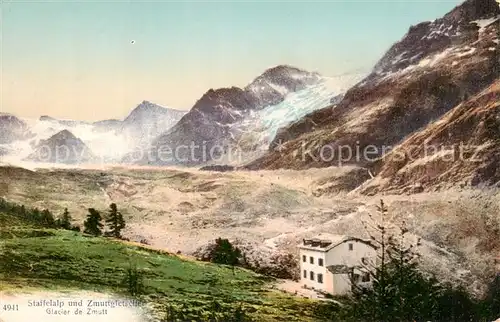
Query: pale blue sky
[76, 60]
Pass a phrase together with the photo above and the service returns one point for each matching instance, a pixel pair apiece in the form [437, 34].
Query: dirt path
[297, 289]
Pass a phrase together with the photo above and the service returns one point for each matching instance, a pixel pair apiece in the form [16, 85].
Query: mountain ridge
[12, 129]
[206, 124]
[432, 69]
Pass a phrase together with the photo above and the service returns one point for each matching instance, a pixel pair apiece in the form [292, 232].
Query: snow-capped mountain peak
[109, 140]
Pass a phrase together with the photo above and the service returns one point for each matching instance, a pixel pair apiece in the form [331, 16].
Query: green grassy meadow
[49, 259]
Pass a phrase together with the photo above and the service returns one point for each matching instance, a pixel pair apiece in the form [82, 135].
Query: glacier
[258, 129]
[250, 135]
[109, 145]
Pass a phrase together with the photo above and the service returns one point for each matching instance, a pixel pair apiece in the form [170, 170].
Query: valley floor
[267, 212]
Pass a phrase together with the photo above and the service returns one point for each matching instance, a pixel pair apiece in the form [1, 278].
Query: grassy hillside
[36, 257]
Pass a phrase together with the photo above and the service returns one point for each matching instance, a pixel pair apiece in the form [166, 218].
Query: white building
[330, 262]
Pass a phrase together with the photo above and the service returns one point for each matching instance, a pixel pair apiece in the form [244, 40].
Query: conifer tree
[115, 221]
[34, 215]
[23, 211]
[225, 253]
[65, 220]
[400, 291]
[491, 303]
[93, 225]
[47, 218]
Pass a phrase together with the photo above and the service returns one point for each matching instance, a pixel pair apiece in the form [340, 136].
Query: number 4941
[10, 307]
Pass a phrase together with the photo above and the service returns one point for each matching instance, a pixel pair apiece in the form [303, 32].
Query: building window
[311, 260]
[311, 275]
[320, 278]
[304, 258]
[351, 246]
[320, 261]
[305, 274]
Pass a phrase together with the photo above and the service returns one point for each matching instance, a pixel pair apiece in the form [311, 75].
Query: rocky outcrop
[436, 67]
[218, 168]
[62, 147]
[274, 84]
[340, 181]
[263, 260]
[202, 134]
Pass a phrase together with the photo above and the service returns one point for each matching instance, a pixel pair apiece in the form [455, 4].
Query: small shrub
[134, 281]
[215, 312]
[225, 253]
[76, 228]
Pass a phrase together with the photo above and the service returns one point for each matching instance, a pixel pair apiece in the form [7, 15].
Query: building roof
[325, 242]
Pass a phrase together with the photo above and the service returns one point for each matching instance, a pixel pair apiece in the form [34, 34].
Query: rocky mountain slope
[461, 147]
[208, 123]
[147, 121]
[62, 147]
[12, 129]
[435, 67]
